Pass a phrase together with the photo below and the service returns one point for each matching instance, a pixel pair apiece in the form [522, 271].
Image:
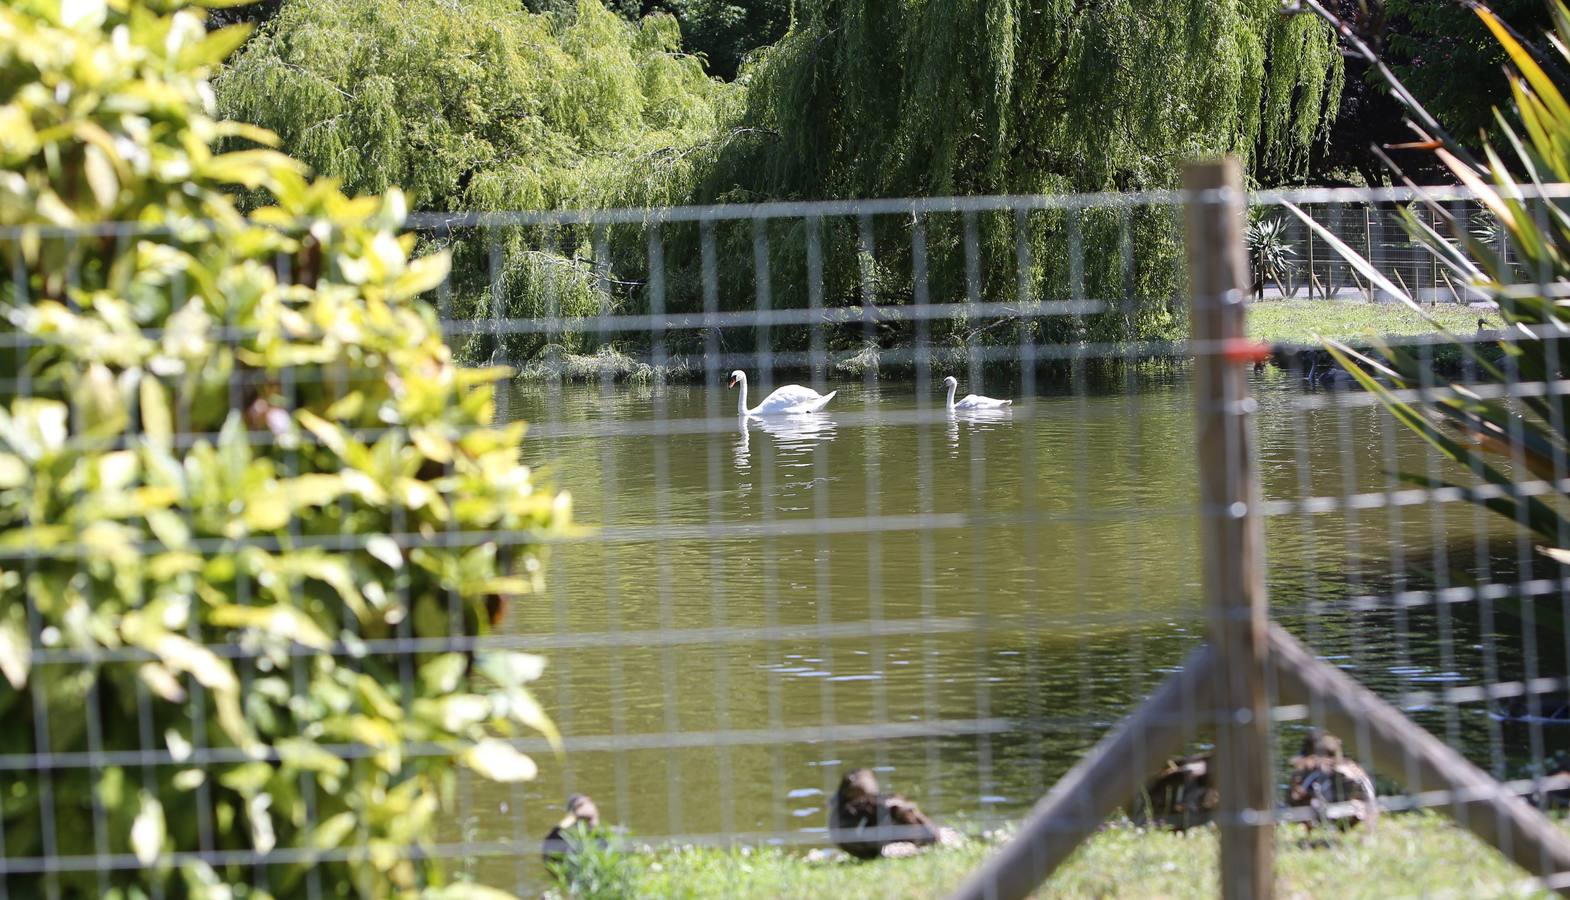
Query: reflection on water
[976, 421]
[794, 436]
[1033, 572]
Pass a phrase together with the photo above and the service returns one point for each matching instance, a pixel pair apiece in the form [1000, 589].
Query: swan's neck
[741, 399]
[952, 389]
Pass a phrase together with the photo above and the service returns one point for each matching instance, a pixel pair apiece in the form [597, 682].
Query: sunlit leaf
[332, 832]
[1557, 554]
[511, 668]
[13, 472]
[263, 837]
[1528, 67]
[277, 620]
[180, 653]
[217, 46]
[499, 761]
[455, 713]
[147, 830]
[385, 549]
[304, 754]
[16, 648]
[442, 674]
[101, 177]
[157, 423]
[161, 682]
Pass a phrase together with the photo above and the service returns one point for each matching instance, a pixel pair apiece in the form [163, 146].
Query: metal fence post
[1231, 527]
[1310, 262]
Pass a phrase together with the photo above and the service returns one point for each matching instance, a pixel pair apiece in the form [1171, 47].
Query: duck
[859, 805]
[1337, 789]
[971, 401]
[791, 399]
[1180, 796]
[582, 816]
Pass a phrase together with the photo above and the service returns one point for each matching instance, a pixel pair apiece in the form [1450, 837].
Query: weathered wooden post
[1231, 530]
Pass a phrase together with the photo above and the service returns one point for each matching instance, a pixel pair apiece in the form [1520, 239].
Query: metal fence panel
[964, 601]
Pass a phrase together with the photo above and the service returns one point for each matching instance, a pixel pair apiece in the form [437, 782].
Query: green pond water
[965, 604]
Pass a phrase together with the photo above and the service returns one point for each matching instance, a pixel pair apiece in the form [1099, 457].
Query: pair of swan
[793, 399]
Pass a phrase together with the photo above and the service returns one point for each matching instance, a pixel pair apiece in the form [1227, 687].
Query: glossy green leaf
[276, 620]
[16, 647]
[498, 761]
[157, 423]
[148, 832]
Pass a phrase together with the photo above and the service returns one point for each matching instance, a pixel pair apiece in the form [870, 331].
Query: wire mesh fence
[1290, 262]
[963, 600]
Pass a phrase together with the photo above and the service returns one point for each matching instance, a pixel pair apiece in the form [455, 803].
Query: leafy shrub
[1503, 436]
[1272, 253]
[600, 866]
[253, 517]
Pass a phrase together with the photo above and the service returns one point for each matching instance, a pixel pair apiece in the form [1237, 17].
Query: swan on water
[787, 400]
[971, 401]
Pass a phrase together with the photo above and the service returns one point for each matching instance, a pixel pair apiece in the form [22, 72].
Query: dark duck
[1182, 795]
[582, 816]
[868, 824]
[1335, 788]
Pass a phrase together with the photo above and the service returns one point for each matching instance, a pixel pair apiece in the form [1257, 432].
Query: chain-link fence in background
[964, 601]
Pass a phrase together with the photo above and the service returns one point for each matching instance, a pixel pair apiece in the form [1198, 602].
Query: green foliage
[1499, 439]
[483, 105]
[1450, 61]
[867, 98]
[479, 104]
[875, 98]
[238, 433]
[726, 33]
[722, 33]
[527, 281]
[1271, 251]
[600, 866]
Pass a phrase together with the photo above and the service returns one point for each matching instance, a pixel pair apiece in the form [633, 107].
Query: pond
[964, 604]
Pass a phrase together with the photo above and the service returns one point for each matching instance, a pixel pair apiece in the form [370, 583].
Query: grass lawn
[1297, 321]
[1404, 856]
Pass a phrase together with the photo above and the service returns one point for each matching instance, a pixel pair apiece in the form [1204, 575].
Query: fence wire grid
[963, 601]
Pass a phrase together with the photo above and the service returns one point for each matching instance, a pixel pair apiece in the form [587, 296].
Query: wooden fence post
[1231, 528]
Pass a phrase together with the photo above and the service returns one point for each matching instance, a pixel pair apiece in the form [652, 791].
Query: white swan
[972, 401]
[788, 400]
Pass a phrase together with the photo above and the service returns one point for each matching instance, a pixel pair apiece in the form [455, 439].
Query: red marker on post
[1243, 350]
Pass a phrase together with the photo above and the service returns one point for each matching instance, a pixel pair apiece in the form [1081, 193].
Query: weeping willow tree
[870, 98]
[484, 105]
[480, 104]
[894, 98]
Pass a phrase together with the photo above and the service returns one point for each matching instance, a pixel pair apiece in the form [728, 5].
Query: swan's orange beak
[733, 382]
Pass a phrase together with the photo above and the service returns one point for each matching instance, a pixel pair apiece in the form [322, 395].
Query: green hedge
[252, 514]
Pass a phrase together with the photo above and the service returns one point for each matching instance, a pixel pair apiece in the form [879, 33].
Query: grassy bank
[1405, 856]
[1297, 321]
[1291, 322]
